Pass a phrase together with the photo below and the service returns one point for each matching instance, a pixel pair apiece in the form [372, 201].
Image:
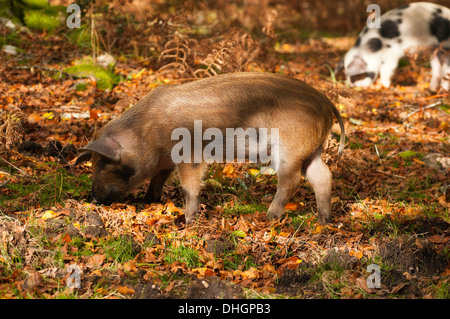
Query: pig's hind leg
[319, 176]
[190, 178]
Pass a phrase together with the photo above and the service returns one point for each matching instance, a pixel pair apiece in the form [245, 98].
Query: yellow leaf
[318, 229]
[49, 214]
[228, 170]
[48, 115]
[254, 171]
[443, 126]
[240, 233]
[250, 274]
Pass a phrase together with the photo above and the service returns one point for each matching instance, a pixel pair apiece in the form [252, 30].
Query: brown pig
[140, 143]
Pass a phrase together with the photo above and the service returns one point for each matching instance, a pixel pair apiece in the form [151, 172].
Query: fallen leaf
[125, 290]
[48, 115]
[228, 170]
[239, 233]
[291, 206]
[50, 214]
[361, 282]
[96, 260]
[130, 266]
[399, 287]
[318, 229]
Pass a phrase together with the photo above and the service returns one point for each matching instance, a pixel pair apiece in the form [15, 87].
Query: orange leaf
[66, 238]
[93, 114]
[96, 260]
[125, 290]
[291, 206]
[228, 170]
[419, 161]
[129, 266]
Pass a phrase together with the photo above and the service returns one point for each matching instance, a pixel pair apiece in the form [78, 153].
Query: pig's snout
[105, 197]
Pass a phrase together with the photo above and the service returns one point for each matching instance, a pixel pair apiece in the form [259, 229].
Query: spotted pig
[377, 51]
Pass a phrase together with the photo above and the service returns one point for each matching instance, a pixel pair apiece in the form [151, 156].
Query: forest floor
[390, 190]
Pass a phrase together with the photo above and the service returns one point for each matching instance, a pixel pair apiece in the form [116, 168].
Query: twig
[14, 166]
[420, 109]
[378, 170]
[29, 67]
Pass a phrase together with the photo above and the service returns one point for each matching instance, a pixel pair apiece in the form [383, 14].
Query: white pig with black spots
[377, 51]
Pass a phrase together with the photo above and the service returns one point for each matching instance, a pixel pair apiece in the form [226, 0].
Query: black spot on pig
[364, 31]
[374, 44]
[389, 29]
[399, 21]
[125, 172]
[440, 28]
[358, 42]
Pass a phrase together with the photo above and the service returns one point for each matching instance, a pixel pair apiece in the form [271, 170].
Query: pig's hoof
[190, 219]
[323, 220]
[273, 215]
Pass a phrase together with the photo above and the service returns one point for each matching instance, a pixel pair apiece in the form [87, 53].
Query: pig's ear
[357, 66]
[104, 146]
[83, 157]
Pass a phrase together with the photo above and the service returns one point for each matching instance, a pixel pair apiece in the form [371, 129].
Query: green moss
[36, 4]
[46, 19]
[407, 154]
[105, 79]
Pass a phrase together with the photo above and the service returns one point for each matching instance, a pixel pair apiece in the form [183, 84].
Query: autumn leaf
[291, 206]
[239, 233]
[96, 260]
[125, 290]
[48, 115]
[254, 171]
[228, 170]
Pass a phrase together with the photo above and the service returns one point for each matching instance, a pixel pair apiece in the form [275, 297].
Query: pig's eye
[125, 172]
[101, 163]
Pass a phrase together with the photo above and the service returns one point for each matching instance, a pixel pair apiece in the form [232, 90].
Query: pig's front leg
[154, 191]
[190, 179]
[387, 68]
